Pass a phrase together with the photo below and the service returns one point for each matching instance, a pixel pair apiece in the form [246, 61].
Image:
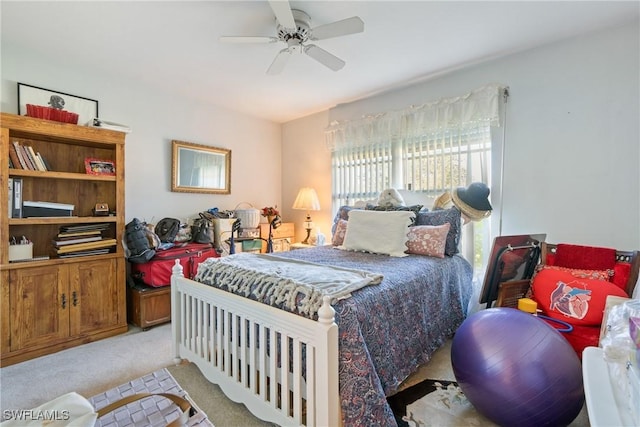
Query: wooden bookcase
[57, 303]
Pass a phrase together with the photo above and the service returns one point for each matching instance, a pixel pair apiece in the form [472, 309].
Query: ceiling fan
[294, 29]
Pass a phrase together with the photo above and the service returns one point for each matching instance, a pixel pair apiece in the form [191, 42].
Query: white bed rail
[233, 341]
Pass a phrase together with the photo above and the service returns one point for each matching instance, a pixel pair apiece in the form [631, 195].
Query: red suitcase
[157, 272]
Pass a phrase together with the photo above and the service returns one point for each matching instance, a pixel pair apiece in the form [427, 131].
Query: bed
[341, 362]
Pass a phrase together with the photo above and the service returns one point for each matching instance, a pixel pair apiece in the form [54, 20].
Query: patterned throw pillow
[343, 213]
[442, 216]
[428, 240]
[578, 273]
[576, 301]
[338, 235]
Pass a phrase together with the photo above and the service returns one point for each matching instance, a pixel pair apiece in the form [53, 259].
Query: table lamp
[307, 200]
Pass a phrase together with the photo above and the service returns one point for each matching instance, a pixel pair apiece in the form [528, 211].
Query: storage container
[20, 251]
[249, 218]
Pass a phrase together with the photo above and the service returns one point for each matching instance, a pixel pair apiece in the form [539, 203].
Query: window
[360, 173]
[432, 149]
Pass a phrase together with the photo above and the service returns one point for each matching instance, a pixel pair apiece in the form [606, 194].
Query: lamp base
[306, 239]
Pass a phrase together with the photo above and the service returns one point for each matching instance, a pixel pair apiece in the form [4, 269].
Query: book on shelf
[46, 163]
[10, 193]
[103, 243]
[18, 153]
[13, 155]
[27, 158]
[84, 227]
[33, 158]
[41, 162]
[70, 241]
[71, 234]
[17, 198]
[85, 253]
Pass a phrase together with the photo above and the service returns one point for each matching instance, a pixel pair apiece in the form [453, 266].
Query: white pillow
[380, 232]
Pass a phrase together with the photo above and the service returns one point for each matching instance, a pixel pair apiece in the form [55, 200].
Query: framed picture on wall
[85, 108]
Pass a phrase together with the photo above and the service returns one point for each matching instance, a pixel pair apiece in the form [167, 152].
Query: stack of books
[82, 240]
[24, 157]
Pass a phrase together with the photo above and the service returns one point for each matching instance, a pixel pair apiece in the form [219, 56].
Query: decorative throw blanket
[297, 286]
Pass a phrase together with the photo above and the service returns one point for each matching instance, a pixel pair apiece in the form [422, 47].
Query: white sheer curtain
[434, 147]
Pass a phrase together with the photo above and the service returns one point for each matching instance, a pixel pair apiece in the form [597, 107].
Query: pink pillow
[428, 240]
[338, 235]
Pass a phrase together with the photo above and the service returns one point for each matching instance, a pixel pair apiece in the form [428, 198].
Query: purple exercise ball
[516, 369]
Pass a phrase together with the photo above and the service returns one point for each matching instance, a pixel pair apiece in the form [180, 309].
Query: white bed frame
[231, 338]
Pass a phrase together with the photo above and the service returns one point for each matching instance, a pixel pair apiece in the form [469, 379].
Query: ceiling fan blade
[248, 39]
[283, 13]
[279, 62]
[339, 28]
[324, 57]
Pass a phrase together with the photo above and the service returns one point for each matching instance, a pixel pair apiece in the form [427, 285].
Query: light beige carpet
[87, 369]
[102, 365]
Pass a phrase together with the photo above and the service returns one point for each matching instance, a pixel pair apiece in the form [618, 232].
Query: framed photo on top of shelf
[99, 167]
[85, 108]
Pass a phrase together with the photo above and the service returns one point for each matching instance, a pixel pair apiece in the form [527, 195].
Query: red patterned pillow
[338, 235]
[576, 301]
[579, 273]
[587, 257]
[428, 240]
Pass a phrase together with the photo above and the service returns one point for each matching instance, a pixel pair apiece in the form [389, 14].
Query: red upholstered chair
[571, 284]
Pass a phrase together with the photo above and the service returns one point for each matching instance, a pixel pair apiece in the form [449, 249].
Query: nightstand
[300, 246]
[282, 236]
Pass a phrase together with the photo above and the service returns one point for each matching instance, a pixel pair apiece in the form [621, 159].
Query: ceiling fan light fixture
[293, 27]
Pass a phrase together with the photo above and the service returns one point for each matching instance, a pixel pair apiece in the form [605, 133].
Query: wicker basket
[249, 218]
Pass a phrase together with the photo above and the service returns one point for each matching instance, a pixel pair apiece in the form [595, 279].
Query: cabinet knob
[64, 300]
[74, 298]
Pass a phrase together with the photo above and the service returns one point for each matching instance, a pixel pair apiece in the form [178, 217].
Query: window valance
[478, 106]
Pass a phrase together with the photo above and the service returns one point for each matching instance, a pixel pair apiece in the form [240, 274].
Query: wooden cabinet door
[39, 306]
[94, 296]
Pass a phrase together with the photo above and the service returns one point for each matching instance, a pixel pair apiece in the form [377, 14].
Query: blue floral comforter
[386, 331]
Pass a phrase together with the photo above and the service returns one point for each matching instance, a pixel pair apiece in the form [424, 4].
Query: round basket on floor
[249, 218]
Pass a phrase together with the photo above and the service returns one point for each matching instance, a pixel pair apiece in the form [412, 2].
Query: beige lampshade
[307, 200]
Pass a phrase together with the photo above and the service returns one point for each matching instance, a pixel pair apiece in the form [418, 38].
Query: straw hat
[442, 201]
[473, 201]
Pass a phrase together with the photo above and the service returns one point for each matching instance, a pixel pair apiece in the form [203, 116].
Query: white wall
[307, 163]
[157, 118]
[572, 137]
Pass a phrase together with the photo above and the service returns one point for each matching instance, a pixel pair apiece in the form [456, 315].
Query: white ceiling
[173, 45]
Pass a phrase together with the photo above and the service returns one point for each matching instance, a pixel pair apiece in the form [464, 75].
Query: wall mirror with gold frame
[200, 168]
